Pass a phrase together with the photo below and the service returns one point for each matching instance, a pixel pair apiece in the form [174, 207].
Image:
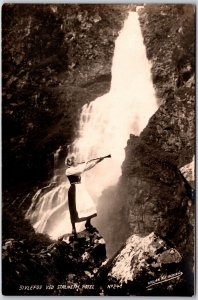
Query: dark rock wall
[55, 59]
[169, 36]
[157, 196]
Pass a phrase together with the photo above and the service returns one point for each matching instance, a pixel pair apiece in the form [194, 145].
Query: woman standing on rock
[81, 206]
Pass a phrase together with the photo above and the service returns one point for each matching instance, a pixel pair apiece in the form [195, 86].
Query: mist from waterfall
[105, 126]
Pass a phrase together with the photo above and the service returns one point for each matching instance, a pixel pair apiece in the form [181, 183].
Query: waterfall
[105, 126]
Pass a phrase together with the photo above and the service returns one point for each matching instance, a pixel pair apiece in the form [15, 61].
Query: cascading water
[104, 128]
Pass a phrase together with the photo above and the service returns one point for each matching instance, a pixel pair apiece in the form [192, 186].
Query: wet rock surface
[61, 60]
[66, 267]
[169, 36]
[145, 266]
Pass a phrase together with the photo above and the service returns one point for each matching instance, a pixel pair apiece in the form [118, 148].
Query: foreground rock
[78, 266]
[145, 266]
[66, 267]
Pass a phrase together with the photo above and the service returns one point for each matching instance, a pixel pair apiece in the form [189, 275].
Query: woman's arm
[90, 164]
[85, 166]
[77, 170]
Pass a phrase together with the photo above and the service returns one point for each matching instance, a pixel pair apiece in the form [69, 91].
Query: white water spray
[104, 128]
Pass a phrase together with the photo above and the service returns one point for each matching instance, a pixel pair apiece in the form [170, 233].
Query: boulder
[145, 266]
[65, 267]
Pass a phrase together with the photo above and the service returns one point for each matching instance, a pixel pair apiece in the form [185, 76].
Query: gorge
[105, 126]
[41, 96]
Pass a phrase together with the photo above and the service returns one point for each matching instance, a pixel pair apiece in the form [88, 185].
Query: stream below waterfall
[105, 126]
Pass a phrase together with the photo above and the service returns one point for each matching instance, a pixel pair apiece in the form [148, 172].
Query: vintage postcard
[98, 149]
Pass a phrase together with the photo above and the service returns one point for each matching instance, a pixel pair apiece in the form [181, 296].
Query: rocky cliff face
[170, 44]
[158, 198]
[151, 194]
[60, 61]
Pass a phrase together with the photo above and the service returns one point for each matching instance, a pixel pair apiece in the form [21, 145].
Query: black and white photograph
[98, 149]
